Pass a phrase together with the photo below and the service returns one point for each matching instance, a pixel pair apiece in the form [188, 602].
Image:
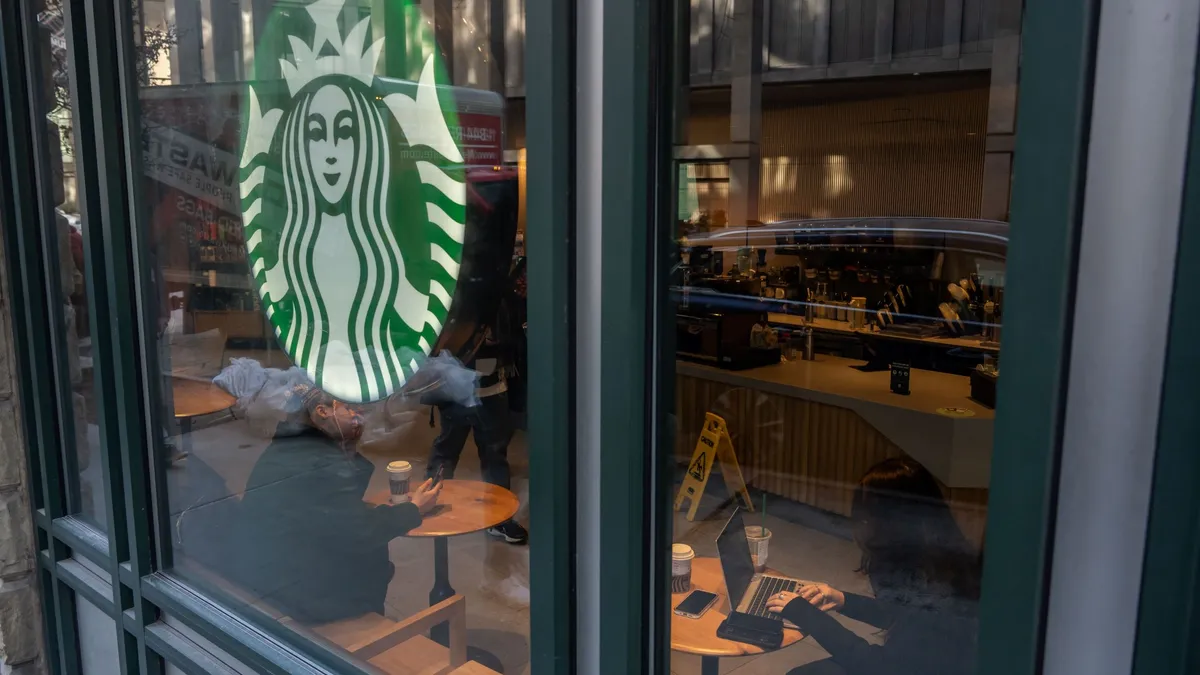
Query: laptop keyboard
[768, 587]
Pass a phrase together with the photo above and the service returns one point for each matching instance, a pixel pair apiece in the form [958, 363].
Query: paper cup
[759, 538]
[681, 568]
[399, 473]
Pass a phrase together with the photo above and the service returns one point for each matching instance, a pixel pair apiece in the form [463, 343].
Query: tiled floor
[495, 576]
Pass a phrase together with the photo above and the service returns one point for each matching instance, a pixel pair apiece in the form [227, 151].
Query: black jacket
[919, 641]
[307, 540]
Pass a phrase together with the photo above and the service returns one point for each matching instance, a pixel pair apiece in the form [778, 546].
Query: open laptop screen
[736, 563]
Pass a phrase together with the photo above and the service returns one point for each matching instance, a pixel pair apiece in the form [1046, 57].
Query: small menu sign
[900, 378]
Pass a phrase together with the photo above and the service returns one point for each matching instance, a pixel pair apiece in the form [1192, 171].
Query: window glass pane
[839, 302]
[333, 196]
[85, 481]
[98, 640]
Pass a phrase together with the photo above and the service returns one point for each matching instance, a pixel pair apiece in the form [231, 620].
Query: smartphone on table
[695, 604]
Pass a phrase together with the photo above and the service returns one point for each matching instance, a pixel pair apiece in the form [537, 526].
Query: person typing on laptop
[925, 576]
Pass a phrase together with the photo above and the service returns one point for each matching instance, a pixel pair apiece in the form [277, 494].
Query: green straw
[764, 515]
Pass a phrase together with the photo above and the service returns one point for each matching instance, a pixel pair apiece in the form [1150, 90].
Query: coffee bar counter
[843, 328]
[807, 430]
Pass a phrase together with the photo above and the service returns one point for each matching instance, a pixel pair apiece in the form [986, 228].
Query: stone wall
[20, 610]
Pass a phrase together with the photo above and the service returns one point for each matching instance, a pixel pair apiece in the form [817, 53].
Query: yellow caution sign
[714, 446]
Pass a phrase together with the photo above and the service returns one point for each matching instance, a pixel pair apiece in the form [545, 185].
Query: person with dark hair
[924, 573]
[305, 538]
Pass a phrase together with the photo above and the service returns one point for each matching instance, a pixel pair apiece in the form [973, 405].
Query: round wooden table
[194, 398]
[699, 636]
[465, 506]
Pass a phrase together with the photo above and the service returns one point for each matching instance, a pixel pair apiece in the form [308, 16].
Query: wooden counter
[808, 430]
[843, 327]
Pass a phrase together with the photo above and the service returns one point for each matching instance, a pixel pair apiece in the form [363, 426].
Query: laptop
[748, 591]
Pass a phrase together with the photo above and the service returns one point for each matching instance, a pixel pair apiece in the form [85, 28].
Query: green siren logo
[353, 201]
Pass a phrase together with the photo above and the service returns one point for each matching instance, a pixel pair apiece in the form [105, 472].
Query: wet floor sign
[714, 446]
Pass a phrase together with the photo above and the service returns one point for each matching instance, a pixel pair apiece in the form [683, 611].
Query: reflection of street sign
[355, 245]
[713, 446]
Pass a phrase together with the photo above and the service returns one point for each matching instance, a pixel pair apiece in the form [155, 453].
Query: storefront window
[333, 201]
[839, 302]
[61, 118]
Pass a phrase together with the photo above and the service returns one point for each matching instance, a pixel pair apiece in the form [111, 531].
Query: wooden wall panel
[915, 154]
[808, 452]
[919, 154]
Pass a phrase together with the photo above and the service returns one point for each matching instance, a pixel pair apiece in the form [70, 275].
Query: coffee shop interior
[839, 299]
[842, 230]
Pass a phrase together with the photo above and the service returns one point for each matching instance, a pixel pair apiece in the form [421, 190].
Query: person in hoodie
[925, 576]
[308, 541]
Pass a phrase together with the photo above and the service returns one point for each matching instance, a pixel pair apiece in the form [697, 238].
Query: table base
[441, 587]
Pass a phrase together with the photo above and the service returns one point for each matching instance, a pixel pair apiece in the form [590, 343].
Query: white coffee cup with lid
[399, 473]
[681, 568]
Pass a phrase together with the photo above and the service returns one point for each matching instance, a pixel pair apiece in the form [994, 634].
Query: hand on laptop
[779, 601]
[823, 596]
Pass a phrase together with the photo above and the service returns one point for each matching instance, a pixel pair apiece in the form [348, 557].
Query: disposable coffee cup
[399, 473]
[759, 538]
[681, 568]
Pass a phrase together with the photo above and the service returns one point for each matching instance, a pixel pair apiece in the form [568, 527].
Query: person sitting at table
[308, 541]
[925, 576]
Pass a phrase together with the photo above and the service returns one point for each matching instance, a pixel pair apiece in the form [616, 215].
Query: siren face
[332, 135]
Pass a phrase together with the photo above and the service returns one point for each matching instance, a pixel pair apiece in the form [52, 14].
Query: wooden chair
[403, 648]
[395, 648]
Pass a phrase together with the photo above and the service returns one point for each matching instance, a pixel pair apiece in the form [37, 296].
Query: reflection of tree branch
[154, 45]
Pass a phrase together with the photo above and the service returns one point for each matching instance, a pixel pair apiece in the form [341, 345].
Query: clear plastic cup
[759, 539]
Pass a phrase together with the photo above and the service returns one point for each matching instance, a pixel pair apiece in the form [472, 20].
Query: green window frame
[134, 585]
[641, 79]
[1168, 626]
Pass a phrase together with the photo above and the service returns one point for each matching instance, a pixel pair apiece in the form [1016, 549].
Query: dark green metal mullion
[28, 190]
[59, 615]
[246, 640]
[1057, 59]
[106, 34]
[144, 469]
[1168, 633]
[250, 635]
[86, 583]
[83, 539]
[107, 239]
[19, 285]
[670, 89]
[627, 236]
[97, 272]
[26, 293]
[550, 236]
[183, 653]
[30, 306]
[57, 374]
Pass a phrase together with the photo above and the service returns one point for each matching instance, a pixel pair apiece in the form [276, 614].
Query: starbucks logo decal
[353, 200]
